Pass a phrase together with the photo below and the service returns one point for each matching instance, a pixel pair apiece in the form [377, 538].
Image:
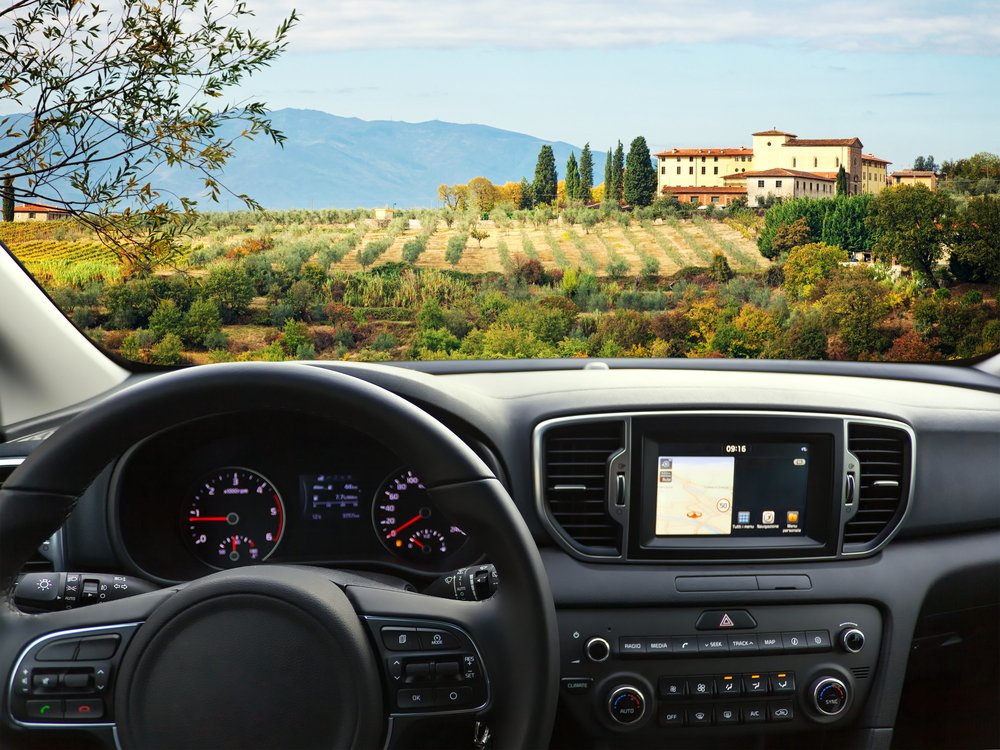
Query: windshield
[510, 180]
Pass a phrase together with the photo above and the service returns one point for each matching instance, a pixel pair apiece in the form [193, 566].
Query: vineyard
[60, 254]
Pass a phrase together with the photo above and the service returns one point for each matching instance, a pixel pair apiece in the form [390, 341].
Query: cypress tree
[586, 174]
[527, 195]
[640, 176]
[546, 180]
[841, 181]
[8, 198]
[607, 177]
[618, 173]
[572, 179]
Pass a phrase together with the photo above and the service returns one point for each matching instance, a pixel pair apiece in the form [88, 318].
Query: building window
[795, 162]
[690, 158]
[31, 214]
[694, 199]
[678, 158]
[703, 170]
[715, 199]
[716, 158]
[715, 171]
[777, 183]
[837, 160]
[690, 170]
[744, 169]
[760, 183]
[678, 170]
[796, 184]
[703, 160]
[663, 170]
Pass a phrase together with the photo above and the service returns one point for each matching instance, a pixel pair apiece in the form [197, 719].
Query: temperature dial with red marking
[235, 517]
[408, 523]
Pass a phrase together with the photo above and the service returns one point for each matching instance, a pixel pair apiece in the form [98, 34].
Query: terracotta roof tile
[38, 208]
[824, 142]
[872, 157]
[707, 152]
[782, 172]
[702, 190]
[914, 173]
[775, 132]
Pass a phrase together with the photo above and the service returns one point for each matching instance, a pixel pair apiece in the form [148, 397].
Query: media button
[659, 645]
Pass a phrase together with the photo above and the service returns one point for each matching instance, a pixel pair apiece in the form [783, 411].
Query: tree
[639, 183]
[926, 164]
[8, 198]
[527, 201]
[844, 224]
[791, 235]
[483, 195]
[546, 180]
[117, 90]
[617, 173]
[456, 246]
[572, 179]
[479, 234]
[608, 180]
[809, 264]
[841, 181]
[913, 225]
[586, 175]
[976, 252]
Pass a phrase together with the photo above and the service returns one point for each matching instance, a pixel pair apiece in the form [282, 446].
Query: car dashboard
[755, 557]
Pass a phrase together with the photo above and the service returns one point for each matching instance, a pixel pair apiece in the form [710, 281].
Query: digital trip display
[331, 497]
[731, 489]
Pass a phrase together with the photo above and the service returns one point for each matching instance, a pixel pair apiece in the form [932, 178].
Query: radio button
[630, 645]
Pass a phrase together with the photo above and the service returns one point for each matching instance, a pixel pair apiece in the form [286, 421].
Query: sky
[909, 77]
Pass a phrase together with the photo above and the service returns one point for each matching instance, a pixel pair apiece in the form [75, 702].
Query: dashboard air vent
[884, 453]
[574, 483]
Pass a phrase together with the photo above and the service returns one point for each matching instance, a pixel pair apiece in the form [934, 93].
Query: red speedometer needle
[208, 518]
[417, 542]
[400, 528]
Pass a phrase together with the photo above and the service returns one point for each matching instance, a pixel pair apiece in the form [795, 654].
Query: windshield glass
[508, 180]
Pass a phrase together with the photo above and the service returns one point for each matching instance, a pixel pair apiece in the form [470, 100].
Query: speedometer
[408, 523]
[236, 517]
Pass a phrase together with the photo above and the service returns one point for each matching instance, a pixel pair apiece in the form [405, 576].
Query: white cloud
[958, 27]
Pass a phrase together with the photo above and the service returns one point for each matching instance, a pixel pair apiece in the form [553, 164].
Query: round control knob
[597, 649]
[852, 640]
[829, 696]
[626, 704]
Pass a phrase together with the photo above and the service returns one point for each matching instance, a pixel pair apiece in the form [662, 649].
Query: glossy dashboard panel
[275, 487]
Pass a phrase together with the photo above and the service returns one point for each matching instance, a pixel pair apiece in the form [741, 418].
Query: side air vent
[38, 562]
[575, 483]
[884, 453]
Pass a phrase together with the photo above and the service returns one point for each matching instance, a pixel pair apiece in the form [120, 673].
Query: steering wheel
[282, 656]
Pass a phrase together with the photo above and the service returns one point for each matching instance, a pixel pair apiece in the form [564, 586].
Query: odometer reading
[236, 517]
[409, 525]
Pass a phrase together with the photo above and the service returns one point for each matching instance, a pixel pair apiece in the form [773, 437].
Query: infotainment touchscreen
[750, 489]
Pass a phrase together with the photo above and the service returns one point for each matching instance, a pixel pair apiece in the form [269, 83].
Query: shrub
[384, 342]
[232, 289]
[719, 271]
[201, 322]
[809, 264]
[617, 268]
[167, 318]
[296, 335]
[456, 246]
[168, 351]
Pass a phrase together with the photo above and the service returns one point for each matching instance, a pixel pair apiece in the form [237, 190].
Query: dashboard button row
[709, 645]
[727, 686]
[749, 713]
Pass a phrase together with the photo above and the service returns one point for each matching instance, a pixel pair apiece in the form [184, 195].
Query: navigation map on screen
[694, 495]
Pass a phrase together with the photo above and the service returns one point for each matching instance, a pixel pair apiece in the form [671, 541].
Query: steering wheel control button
[44, 681]
[411, 698]
[852, 640]
[731, 619]
[453, 697]
[626, 704]
[101, 647]
[45, 710]
[672, 687]
[830, 696]
[630, 645]
[577, 685]
[64, 650]
[86, 709]
[437, 640]
[597, 650]
[447, 668]
[418, 669]
[400, 639]
[76, 681]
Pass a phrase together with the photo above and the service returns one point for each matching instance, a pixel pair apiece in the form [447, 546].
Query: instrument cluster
[238, 490]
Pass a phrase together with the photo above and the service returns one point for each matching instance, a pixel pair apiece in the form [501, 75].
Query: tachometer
[408, 523]
[236, 517]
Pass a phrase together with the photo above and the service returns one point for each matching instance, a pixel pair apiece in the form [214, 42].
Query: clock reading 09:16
[736, 448]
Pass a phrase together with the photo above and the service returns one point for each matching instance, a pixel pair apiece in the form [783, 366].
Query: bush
[167, 318]
[456, 246]
[413, 249]
[720, 271]
[201, 322]
[384, 342]
[296, 336]
[617, 268]
[809, 264]
[168, 351]
[232, 289]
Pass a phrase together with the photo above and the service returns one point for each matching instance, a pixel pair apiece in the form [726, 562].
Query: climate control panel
[777, 668]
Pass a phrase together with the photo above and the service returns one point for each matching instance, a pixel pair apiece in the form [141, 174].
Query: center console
[744, 653]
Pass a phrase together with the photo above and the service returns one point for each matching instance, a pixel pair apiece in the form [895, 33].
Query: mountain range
[344, 162]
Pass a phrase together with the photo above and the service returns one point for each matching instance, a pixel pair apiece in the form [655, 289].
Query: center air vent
[574, 483]
[884, 453]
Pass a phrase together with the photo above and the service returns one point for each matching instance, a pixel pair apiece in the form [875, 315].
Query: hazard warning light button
[726, 619]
